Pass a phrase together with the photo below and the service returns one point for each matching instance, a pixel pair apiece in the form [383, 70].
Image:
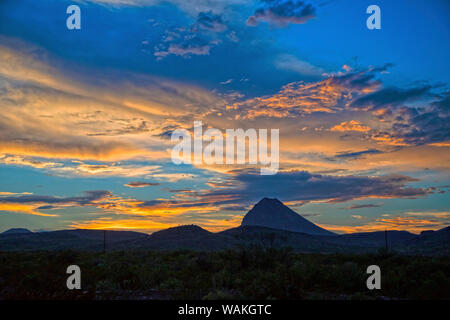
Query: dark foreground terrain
[247, 273]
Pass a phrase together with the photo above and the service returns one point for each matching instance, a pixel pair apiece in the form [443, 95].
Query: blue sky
[91, 109]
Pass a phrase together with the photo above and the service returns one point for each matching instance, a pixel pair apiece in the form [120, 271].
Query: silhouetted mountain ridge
[272, 213]
[194, 237]
[16, 231]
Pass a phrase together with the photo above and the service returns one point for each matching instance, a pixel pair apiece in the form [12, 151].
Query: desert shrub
[251, 273]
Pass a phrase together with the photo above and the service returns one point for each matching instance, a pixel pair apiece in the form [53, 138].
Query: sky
[87, 115]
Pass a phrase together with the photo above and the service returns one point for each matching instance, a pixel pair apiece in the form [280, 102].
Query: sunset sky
[87, 115]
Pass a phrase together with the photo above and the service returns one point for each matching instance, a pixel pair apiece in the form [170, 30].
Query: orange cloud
[122, 224]
[107, 170]
[50, 113]
[415, 222]
[351, 125]
[26, 209]
[328, 95]
[17, 160]
[441, 144]
[153, 224]
[386, 138]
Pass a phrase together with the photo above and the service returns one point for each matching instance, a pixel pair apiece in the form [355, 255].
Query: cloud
[302, 185]
[424, 125]
[330, 95]
[226, 81]
[232, 36]
[390, 96]
[291, 63]
[47, 207]
[30, 204]
[110, 204]
[361, 81]
[235, 208]
[123, 2]
[140, 184]
[131, 126]
[110, 169]
[198, 39]
[412, 223]
[282, 12]
[25, 209]
[388, 121]
[144, 225]
[185, 50]
[356, 155]
[21, 161]
[362, 206]
[210, 22]
[352, 125]
[246, 187]
[88, 197]
[106, 170]
[173, 177]
[427, 123]
[13, 193]
[191, 7]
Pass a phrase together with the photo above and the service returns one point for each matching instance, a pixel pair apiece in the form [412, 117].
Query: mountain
[16, 231]
[431, 242]
[80, 239]
[184, 237]
[275, 238]
[377, 238]
[272, 213]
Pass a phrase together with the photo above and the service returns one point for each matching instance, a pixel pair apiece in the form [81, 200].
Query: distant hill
[184, 237]
[65, 239]
[377, 238]
[429, 242]
[16, 231]
[272, 213]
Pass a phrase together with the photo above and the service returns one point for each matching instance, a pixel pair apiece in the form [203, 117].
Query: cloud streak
[413, 223]
[282, 12]
[141, 184]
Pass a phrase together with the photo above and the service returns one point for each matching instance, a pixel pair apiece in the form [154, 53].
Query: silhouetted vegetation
[249, 273]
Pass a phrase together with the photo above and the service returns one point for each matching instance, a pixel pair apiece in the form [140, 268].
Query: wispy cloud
[283, 12]
[33, 204]
[363, 206]
[352, 125]
[291, 63]
[141, 184]
[412, 223]
[196, 40]
[357, 154]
